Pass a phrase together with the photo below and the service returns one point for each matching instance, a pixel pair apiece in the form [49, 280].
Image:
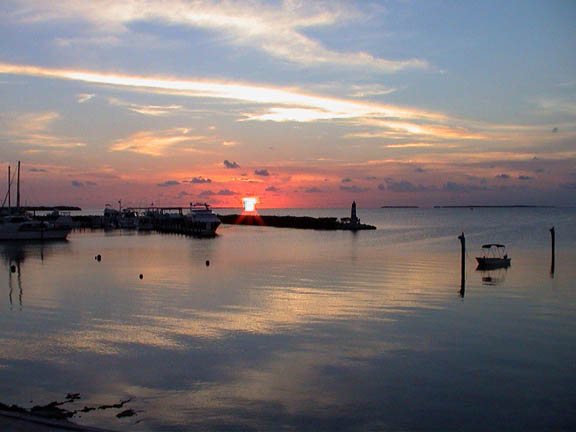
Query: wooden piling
[462, 264]
[553, 238]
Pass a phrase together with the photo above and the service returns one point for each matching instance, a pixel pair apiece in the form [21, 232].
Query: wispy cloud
[34, 122]
[155, 143]
[408, 145]
[282, 104]
[561, 106]
[362, 91]
[408, 129]
[84, 97]
[151, 110]
[276, 30]
[320, 106]
[34, 129]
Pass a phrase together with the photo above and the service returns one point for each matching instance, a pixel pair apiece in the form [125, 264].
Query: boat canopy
[489, 245]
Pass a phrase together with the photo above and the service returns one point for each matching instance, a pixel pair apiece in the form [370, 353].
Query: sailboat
[15, 224]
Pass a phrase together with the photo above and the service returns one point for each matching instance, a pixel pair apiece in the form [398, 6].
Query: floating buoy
[98, 257]
[207, 263]
[141, 276]
[13, 268]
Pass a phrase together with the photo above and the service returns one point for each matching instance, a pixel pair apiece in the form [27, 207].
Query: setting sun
[250, 203]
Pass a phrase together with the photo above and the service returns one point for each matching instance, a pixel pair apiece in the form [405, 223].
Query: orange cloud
[155, 143]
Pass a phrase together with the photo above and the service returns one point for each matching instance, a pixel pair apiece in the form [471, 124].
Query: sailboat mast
[9, 188]
[18, 188]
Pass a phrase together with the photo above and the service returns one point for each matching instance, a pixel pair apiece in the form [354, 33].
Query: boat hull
[204, 229]
[485, 262]
[56, 234]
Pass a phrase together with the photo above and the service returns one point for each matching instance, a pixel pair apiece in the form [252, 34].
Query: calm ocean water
[300, 330]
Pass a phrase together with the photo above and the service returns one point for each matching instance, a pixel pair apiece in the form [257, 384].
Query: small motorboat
[494, 256]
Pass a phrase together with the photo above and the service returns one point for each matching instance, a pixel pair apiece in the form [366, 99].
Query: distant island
[496, 206]
[399, 207]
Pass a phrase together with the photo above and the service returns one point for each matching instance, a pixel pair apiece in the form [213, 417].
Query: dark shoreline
[495, 206]
[300, 222]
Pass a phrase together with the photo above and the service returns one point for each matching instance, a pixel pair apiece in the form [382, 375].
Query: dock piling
[462, 264]
[553, 238]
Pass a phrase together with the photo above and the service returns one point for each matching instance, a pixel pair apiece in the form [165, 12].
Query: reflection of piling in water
[20, 291]
[553, 238]
[15, 269]
[10, 289]
[462, 264]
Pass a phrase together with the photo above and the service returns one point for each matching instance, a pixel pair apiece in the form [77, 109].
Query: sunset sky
[299, 103]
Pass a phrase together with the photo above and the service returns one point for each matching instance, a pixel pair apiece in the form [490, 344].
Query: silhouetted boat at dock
[16, 224]
[23, 227]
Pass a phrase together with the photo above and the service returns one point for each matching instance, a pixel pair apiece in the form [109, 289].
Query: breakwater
[300, 222]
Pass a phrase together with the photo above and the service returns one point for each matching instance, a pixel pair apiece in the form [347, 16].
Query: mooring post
[462, 264]
[553, 236]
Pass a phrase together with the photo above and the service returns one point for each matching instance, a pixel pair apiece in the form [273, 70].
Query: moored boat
[494, 256]
[128, 219]
[201, 220]
[16, 224]
[23, 227]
